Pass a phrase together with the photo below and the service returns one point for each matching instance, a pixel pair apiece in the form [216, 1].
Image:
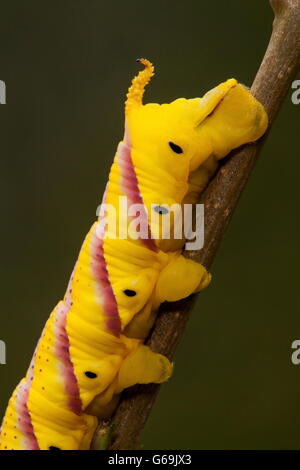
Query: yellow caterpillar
[92, 345]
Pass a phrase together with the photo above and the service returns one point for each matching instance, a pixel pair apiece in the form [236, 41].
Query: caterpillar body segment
[92, 348]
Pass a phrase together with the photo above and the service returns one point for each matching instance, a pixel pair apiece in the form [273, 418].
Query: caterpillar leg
[181, 278]
[105, 403]
[143, 366]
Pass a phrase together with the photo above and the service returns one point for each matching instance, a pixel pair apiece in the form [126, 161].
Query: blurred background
[67, 66]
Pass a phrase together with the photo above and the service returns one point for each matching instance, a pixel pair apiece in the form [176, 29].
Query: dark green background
[67, 65]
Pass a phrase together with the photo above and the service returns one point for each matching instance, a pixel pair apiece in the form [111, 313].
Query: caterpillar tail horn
[137, 88]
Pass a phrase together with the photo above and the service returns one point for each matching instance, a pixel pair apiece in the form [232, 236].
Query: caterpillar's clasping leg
[143, 366]
[181, 278]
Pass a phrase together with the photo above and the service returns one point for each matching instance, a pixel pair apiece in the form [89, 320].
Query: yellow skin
[92, 345]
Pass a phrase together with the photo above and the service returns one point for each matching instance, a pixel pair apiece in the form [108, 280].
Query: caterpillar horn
[137, 88]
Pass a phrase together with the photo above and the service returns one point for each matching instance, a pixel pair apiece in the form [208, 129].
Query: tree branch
[272, 82]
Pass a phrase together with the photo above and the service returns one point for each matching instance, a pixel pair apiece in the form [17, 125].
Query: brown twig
[270, 86]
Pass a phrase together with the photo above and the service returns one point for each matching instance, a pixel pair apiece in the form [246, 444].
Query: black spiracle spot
[90, 375]
[54, 448]
[175, 147]
[129, 292]
[161, 210]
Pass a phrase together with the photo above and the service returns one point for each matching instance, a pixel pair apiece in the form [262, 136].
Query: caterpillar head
[179, 136]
